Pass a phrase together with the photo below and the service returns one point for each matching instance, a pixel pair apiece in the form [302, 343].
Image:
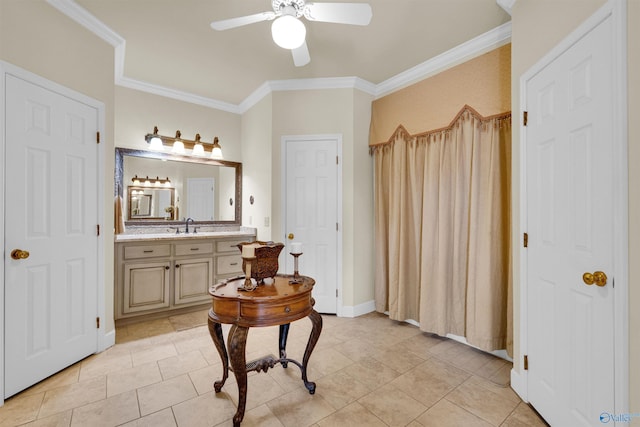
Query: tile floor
[370, 371]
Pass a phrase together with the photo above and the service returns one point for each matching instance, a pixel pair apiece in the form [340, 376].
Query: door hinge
[525, 118]
[525, 240]
[97, 229]
[337, 162]
[97, 323]
[336, 293]
[337, 226]
[98, 137]
[526, 362]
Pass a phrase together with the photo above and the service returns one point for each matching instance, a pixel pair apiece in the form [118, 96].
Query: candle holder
[296, 276]
[248, 284]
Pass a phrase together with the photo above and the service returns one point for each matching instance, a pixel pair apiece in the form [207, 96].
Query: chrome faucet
[186, 225]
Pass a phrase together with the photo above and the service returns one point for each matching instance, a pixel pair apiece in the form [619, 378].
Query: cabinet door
[146, 286]
[192, 280]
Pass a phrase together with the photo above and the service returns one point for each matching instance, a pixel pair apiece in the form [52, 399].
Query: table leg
[215, 330]
[282, 342]
[237, 342]
[316, 321]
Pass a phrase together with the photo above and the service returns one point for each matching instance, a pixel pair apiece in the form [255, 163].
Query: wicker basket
[266, 263]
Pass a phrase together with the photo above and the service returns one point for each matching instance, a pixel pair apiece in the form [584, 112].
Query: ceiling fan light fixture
[288, 32]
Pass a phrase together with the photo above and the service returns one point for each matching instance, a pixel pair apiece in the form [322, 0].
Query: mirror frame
[119, 184]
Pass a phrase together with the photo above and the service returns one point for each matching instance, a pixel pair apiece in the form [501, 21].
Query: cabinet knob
[166, 267]
[177, 265]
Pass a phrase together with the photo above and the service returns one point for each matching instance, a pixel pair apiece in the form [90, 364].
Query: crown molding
[492, 39]
[507, 5]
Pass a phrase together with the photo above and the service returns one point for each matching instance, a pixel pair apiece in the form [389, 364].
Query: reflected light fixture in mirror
[180, 145]
[148, 182]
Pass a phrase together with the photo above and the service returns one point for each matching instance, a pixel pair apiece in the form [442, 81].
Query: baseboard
[358, 310]
[519, 384]
[108, 340]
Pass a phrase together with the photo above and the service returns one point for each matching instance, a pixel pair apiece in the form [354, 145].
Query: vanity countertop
[182, 236]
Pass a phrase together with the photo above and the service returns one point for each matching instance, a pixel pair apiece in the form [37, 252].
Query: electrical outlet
[266, 221]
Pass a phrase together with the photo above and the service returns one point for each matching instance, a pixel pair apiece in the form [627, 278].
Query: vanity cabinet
[162, 276]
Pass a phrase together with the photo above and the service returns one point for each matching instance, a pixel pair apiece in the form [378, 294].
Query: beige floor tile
[352, 415]
[63, 419]
[261, 388]
[190, 343]
[153, 354]
[482, 402]
[372, 373]
[355, 349]
[400, 361]
[393, 406]
[430, 381]
[20, 409]
[204, 411]
[67, 376]
[504, 392]
[524, 416]
[298, 408]
[447, 414]
[155, 397]
[72, 396]
[324, 362]
[181, 364]
[99, 365]
[340, 389]
[204, 378]
[257, 417]
[162, 418]
[113, 411]
[133, 378]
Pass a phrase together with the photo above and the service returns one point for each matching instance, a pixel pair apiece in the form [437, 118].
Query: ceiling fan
[287, 29]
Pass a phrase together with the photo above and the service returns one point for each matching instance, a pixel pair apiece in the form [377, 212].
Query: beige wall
[484, 83]
[336, 111]
[256, 165]
[537, 26]
[39, 39]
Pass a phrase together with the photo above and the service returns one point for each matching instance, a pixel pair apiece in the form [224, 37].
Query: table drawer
[147, 251]
[229, 245]
[294, 309]
[229, 264]
[194, 248]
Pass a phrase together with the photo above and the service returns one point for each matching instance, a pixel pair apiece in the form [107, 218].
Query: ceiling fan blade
[226, 24]
[301, 55]
[339, 13]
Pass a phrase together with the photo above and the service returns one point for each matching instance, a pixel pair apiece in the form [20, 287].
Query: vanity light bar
[148, 182]
[180, 145]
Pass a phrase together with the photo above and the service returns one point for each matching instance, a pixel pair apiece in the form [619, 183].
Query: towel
[118, 216]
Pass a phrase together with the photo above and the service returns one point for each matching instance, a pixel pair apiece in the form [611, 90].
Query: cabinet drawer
[148, 251]
[229, 245]
[194, 248]
[229, 264]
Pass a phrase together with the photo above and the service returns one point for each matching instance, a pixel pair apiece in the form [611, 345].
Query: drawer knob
[287, 309]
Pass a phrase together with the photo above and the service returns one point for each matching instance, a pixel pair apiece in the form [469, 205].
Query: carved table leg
[282, 342]
[316, 321]
[237, 342]
[215, 330]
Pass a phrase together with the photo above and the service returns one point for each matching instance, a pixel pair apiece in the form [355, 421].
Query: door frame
[616, 10]
[283, 190]
[10, 69]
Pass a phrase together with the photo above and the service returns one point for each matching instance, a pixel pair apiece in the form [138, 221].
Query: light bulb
[288, 32]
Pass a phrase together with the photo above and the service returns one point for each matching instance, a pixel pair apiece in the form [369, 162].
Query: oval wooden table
[274, 304]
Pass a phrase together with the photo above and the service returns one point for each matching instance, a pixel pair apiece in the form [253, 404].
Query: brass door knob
[598, 277]
[290, 236]
[19, 254]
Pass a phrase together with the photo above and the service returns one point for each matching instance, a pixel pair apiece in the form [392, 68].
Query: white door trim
[616, 9]
[283, 153]
[9, 69]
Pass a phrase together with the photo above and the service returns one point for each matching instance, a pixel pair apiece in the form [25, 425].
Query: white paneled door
[51, 243]
[311, 189]
[569, 186]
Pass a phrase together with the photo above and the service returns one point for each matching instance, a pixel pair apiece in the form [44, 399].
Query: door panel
[51, 211]
[569, 211]
[312, 214]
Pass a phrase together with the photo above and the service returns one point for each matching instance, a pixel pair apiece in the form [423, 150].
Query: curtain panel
[442, 228]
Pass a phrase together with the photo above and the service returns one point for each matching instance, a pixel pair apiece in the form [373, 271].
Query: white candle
[296, 248]
[248, 251]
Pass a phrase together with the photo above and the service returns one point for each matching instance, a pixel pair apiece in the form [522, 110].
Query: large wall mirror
[207, 190]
